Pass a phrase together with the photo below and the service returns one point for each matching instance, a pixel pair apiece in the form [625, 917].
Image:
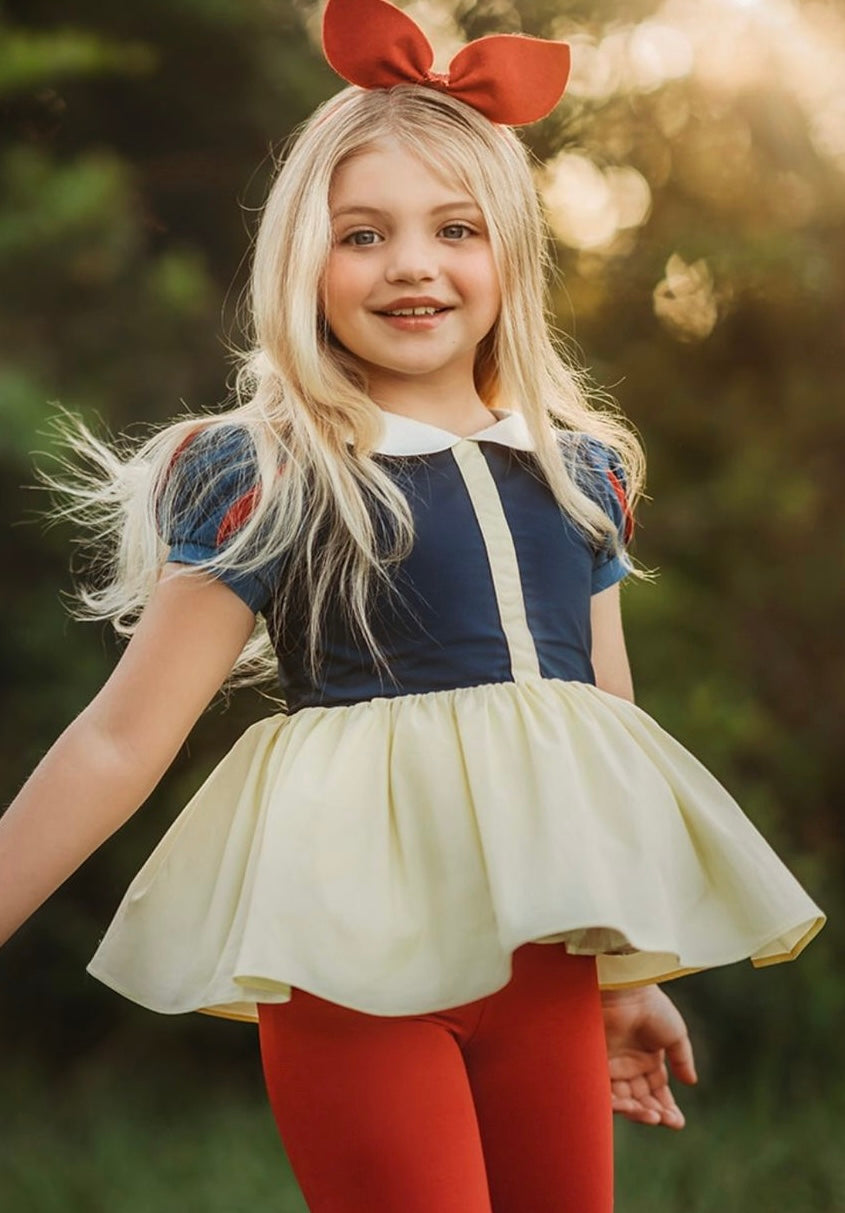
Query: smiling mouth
[414, 311]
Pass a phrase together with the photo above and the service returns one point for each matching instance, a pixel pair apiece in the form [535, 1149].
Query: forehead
[385, 175]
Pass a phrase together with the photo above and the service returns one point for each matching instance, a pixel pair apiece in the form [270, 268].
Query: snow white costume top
[388, 844]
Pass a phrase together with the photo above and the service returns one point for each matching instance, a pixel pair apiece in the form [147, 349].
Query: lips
[420, 320]
[412, 306]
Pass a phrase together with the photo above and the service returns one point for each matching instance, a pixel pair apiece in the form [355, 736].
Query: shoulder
[213, 448]
[211, 481]
[598, 470]
[588, 454]
[209, 510]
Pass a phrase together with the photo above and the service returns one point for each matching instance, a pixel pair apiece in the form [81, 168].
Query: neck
[454, 406]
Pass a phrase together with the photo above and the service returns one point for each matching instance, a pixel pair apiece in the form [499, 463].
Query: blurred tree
[131, 147]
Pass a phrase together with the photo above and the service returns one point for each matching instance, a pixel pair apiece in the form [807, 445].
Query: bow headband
[509, 78]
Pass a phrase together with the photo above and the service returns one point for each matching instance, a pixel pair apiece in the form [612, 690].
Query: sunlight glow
[685, 301]
[740, 45]
[588, 206]
[728, 47]
[436, 17]
[632, 59]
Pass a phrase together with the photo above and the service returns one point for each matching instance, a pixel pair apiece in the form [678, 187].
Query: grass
[735, 1160]
[111, 1141]
[132, 1145]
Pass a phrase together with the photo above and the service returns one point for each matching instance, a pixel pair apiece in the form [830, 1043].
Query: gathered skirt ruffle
[391, 855]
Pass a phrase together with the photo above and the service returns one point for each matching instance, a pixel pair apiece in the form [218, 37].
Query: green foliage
[30, 59]
[761, 1154]
[116, 1140]
[139, 1148]
[50, 207]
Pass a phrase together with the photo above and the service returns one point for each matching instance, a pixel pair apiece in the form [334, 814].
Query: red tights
[501, 1105]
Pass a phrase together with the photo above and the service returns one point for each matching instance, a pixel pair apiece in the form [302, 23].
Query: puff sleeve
[209, 493]
[603, 479]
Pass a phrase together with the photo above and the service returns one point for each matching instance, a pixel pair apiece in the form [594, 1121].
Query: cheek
[492, 291]
[487, 282]
[343, 286]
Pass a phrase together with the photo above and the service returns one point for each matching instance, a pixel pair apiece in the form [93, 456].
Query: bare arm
[643, 1027]
[106, 763]
[609, 654]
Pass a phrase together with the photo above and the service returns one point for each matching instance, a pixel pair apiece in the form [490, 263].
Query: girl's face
[407, 240]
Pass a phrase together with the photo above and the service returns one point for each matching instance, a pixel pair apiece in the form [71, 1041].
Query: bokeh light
[736, 99]
[635, 58]
[685, 299]
[589, 206]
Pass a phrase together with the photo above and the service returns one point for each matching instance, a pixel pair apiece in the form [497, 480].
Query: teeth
[414, 311]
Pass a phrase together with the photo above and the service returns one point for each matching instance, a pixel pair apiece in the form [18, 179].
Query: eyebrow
[459, 204]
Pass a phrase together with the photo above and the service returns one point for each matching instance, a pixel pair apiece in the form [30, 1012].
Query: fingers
[636, 1112]
[659, 1108]
[681, 1060]
[639, 1067]
[640, 1091]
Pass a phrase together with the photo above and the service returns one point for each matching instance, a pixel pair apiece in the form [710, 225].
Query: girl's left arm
[643, 1027]
[609, 655]
[109, 759]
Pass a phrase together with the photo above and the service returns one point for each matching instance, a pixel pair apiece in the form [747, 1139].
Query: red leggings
[501, 1105]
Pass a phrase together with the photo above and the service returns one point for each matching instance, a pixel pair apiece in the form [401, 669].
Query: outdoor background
[695, 179]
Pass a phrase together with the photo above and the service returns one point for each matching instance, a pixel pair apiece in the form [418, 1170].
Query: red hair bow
[509, 78]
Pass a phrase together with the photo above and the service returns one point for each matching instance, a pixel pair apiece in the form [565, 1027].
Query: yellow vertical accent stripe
[502, 556]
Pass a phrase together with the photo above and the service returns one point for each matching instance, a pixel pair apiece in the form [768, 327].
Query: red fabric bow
[509, 78]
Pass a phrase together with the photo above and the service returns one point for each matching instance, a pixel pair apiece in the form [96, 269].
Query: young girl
[446, 879]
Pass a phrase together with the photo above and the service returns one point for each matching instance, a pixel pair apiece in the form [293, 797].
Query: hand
[644, 1029]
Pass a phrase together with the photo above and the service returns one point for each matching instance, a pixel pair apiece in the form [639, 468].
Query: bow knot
[509, 78]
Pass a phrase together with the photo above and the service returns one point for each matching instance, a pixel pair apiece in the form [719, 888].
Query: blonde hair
[303, 401]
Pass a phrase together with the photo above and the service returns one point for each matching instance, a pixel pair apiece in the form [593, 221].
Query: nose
[413, 259]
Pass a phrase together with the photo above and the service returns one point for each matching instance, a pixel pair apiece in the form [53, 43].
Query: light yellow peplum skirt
[391, 855]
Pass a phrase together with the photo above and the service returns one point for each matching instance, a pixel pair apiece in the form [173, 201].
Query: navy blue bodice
[440, 624]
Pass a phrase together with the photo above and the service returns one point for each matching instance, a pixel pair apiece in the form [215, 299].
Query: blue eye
[362, 238]
[457, 231]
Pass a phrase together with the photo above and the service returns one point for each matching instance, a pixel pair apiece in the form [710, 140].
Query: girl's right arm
[107, 762]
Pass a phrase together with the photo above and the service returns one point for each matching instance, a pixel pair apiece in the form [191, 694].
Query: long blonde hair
[302, 399]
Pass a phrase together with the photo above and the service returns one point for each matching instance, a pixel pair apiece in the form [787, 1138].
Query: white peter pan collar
[407, 436]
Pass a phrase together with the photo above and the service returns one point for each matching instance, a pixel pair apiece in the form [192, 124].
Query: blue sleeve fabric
[208, 494]
[603, 479]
